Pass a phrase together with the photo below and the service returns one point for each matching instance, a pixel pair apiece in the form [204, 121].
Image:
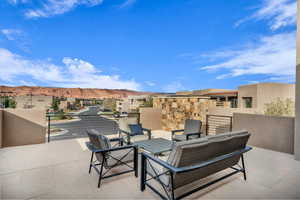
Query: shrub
[280, 107]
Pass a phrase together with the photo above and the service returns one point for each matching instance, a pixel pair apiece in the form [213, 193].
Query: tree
[280, 107]
[55, 104]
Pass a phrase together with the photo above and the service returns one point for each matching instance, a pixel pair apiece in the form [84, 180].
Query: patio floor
[59, 170]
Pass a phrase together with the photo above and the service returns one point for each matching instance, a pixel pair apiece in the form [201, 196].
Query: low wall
[230, 111]
[22, 127]
[151, 118]
[1, 112]
[269, 132]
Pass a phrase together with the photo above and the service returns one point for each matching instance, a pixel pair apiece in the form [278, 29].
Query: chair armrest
[95, 150]
[176, 131]
[120, 140]
[192, 134]
[126, 132]
[148, 132]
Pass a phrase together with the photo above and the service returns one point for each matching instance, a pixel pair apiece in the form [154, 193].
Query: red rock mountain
[67, 92]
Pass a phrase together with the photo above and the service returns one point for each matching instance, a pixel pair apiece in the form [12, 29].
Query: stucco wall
[230, 111]
[22, 128]
[274, 133]
[151, 118]
[297, 121]
[269, 92]
[247, 91]
[1, 112]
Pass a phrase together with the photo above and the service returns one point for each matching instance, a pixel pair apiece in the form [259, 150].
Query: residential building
[33, 102]
[123, 105]
[258, 95]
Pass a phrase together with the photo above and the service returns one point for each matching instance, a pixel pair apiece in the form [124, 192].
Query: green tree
[280, 107]
[55, 104]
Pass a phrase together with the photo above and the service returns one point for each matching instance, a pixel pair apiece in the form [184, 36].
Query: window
[247, 101]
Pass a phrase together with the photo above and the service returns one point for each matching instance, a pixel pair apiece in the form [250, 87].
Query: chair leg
[100, 175]
[91, 162]
[135, 162]
[244, 169]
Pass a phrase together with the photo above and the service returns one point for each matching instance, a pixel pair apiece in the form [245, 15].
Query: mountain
[68, 92]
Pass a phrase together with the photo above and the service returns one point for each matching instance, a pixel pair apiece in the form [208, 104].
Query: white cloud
[174, 87]
[279, 13]
[15, 2]
[11, 34]
[127, 3]
[150, 83]
[56, 7]
[74, 73]
[272, 55]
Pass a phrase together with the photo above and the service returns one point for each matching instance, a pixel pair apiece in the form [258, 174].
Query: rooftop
[60, 170]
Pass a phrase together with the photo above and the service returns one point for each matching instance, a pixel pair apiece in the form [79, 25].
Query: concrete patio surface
[59, 170]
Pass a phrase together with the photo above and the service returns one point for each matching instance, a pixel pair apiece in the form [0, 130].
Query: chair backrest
[99, 141]
[124, 123]
[192, 126]
[193, 152]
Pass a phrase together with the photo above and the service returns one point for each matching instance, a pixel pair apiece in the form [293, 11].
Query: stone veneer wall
[176, 109]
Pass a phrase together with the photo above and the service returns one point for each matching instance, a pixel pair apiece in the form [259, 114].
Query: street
[77, 129]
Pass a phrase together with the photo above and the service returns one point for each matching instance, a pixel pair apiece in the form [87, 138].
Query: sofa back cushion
[196, 151]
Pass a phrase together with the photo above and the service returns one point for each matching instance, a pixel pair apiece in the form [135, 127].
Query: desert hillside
[67, 92]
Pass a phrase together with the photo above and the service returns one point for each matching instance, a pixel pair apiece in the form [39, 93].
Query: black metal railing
[69, 126]
[216, 124]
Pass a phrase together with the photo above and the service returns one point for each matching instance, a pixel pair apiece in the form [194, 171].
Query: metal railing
[70, 126]
[216, 124]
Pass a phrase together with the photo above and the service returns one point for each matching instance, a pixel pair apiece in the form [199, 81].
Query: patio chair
[192, 130]
[109, 157]
[192, 165]
[131, 131]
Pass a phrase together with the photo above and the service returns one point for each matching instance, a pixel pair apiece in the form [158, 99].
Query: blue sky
[149, 45]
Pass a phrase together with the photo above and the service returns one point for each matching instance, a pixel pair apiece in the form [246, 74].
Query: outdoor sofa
[190, 162]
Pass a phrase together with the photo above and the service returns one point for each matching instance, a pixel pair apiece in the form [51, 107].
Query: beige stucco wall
[1, 113]
[37, 102]
[264, 93]
[247, 91]
[297, 120]
[151, 118]
[269, 92]
[230, 111]
[269, 132]
[22, 127]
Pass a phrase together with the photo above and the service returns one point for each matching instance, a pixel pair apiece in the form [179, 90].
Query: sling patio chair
[131, 131]
[109, 157]
[192, 130]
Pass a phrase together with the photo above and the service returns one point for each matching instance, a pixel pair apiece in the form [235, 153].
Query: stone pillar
[297, 119]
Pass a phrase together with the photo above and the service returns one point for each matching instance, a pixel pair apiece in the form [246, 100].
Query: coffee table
[155, 146]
